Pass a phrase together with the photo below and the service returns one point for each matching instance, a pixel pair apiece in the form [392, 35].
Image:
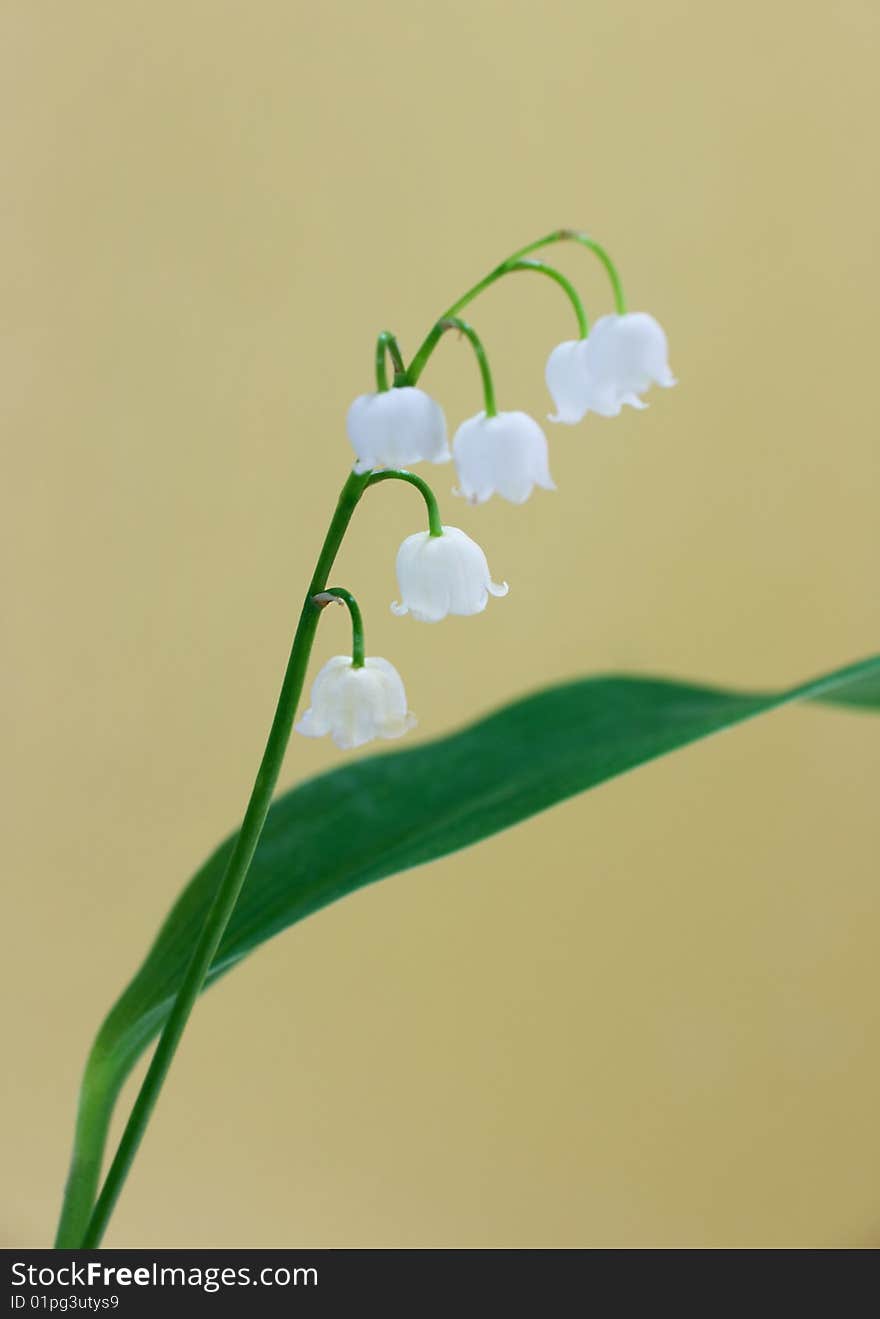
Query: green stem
[509, 267]
[386, 343]
[435, 526]
[236, 871]
[357, 621]
[431, 342]
[576, 236]
[541, 268]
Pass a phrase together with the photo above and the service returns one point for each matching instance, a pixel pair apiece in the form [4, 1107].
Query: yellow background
[651, 1016]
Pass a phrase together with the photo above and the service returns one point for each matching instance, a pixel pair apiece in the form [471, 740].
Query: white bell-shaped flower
[625, 355]
[440, 575]
[618, 361]
[505, 455]
[397, 428]
[356, 705]
[568, 382]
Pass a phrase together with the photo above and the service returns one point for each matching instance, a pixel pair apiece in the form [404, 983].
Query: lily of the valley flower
[618, 361]
[568, 382]
[440, 575]
[505, 454]
[396, 428]
[356, 705]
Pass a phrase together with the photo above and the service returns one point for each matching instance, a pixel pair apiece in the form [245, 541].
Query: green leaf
[387, 813]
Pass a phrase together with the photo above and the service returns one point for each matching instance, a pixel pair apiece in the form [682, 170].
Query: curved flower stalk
[441, 571]
[442, 575]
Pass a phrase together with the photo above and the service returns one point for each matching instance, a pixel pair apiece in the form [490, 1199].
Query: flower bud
[505, 455]
[440, 575]
[397, 428]
[356, 705]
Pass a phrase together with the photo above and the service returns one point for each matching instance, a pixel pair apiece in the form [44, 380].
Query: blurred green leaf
[387, 813]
